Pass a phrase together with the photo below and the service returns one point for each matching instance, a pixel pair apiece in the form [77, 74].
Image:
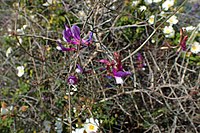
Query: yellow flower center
[171, 20]
[169, 5]
[151, 20]
[194, 47]
[91, 127]
[168, 31]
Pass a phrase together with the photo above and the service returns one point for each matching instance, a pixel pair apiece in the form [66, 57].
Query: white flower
[167, 4]
[9, 31]
[58, 48]
[189, 28]
[74, 110]
[172, 20]
[113, 7]
[21, 31]
[135, 2]
[148, 1]
[156, 1]
[169, 31]
[142, 8]
[78, 130]
[24, 27]
[78, 70]
[20, 71]
[162, 13]
[49, 2]
[8, 51]
[20, 41]
[195, 48]
[153, 40]
[119, 80]
[91, 125]
[151, 19]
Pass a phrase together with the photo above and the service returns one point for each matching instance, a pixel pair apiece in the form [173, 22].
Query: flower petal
[105, 61]
[67, 35]
[121, 73]
[72, 80]
[76, 32]
[20, 71]
[119, 80]
[64, 48]
[79, 69]
[89, 40]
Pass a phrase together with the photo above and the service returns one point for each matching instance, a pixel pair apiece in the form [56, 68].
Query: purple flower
[89, 40]
[79, 69]
[117, 68]
[72, 80]
[72, 36]
[64, 48]
[118, 75]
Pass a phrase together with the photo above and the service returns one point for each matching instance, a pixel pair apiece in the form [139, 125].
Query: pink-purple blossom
[72, 80]
[114, 68]
[79, 69]
[72, 36]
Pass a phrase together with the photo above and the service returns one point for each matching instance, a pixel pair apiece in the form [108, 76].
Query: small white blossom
[119, 80]
[135, 2]
[9, 31]
[189, 28]
[91, 125]
[151, 19]
[8, 51]
[169, 31]
[195, 48]
[153, 40]
[167, 4]
[172, 20]
[58, 48]
[79, 130]
[20, 41]
[49, 2]
[20, 71]
[78, 70]
[148, 1]
[156, 1]
[24, 27]
[21, 31]
[162, 13]
[142, 8]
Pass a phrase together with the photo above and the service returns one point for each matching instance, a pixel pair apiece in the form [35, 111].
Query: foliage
[160, 95]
